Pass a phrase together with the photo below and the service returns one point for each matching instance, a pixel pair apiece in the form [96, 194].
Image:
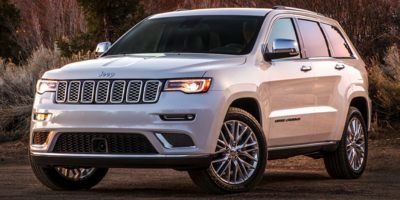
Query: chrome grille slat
[74, 91]
[117, 92]
[134, 91]
[151, 91]
[61, 93]
[87, 91]
[108, 91]
[102, 91]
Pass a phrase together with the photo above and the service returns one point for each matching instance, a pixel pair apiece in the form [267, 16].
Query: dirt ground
[296, 178]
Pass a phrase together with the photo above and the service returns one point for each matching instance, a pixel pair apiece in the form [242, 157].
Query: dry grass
[392, 63]
[17, 89]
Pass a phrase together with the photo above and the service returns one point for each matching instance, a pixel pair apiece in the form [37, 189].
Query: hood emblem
[106, 75]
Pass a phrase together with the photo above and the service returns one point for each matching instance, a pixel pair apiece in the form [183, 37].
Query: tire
[52, 177]
[354, 142]
[247, 153]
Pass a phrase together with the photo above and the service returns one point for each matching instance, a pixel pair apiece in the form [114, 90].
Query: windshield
[194, 34]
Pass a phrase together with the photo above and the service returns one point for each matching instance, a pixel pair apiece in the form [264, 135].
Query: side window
[340, 48]
[282, 29]
[314, 41]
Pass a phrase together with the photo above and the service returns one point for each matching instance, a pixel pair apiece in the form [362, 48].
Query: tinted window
[282, 29]
[195, 34]
[337, 42]
[314, 41]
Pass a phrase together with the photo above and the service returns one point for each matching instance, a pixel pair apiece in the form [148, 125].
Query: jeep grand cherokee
[216, 92]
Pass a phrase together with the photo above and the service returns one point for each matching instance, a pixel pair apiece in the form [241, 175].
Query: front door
[290, 83]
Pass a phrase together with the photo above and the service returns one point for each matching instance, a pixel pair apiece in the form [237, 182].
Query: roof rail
[295, 9]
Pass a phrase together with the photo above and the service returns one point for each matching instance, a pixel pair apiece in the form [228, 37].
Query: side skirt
[314, 150]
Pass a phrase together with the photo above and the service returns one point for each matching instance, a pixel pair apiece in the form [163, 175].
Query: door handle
[339, 66]
[306, 68]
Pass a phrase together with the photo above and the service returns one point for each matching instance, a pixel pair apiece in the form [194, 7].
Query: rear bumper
[122, 161]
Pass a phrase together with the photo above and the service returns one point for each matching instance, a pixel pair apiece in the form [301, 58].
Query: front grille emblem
[106, 74]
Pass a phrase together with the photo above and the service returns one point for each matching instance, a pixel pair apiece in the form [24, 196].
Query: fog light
[40, 138]
[41, 116]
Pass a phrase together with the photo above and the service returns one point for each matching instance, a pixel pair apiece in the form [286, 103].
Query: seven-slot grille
[108, 91]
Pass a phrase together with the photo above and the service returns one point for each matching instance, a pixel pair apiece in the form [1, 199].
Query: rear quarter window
[339, 46]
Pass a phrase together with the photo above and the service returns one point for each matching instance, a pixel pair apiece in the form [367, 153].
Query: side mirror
[102, 47]
[282, 48]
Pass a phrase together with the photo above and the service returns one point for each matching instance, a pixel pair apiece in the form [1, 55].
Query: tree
[10, 19]
[108, 19]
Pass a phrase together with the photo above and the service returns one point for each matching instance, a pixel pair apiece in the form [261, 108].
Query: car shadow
[272, 183]
[271, 178]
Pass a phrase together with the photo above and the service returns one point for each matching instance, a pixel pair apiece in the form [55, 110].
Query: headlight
[188, 85]
[46, 86]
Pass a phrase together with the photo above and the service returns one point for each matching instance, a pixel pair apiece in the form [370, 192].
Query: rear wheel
[350, 158]
[66, 178]
[240, 156]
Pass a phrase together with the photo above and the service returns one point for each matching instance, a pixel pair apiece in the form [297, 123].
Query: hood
[146, 66]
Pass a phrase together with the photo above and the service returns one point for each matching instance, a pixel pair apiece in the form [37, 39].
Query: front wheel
[240, 156]
[350, 158]
[66, 178]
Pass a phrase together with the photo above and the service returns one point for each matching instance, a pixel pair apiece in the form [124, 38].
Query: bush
[17, 89]
[82, 42]
[385, 87]
[10, 19]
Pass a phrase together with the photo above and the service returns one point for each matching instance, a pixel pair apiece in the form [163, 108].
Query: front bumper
[122, 161]
[141, 119]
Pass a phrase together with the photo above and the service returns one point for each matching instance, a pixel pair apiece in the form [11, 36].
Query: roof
[215, 11]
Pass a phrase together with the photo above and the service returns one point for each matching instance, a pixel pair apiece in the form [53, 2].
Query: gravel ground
[295, 178]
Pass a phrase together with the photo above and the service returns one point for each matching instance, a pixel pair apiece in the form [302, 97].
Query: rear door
[326, 78]
[332, 82]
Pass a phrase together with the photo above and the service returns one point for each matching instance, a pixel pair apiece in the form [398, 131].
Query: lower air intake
[116, 143]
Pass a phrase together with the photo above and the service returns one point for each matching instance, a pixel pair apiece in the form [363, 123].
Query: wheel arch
[250, 105]
[361, 103]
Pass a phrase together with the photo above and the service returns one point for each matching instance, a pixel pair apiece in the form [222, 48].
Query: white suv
[216, 92]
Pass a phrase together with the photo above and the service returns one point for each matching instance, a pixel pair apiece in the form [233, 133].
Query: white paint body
[320, 98]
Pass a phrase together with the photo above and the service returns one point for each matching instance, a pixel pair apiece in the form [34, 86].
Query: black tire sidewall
[66, 183]
[49, 177]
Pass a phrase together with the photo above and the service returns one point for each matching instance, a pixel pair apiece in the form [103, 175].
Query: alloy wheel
[355, 143]
[237, 153]
[75, 174]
